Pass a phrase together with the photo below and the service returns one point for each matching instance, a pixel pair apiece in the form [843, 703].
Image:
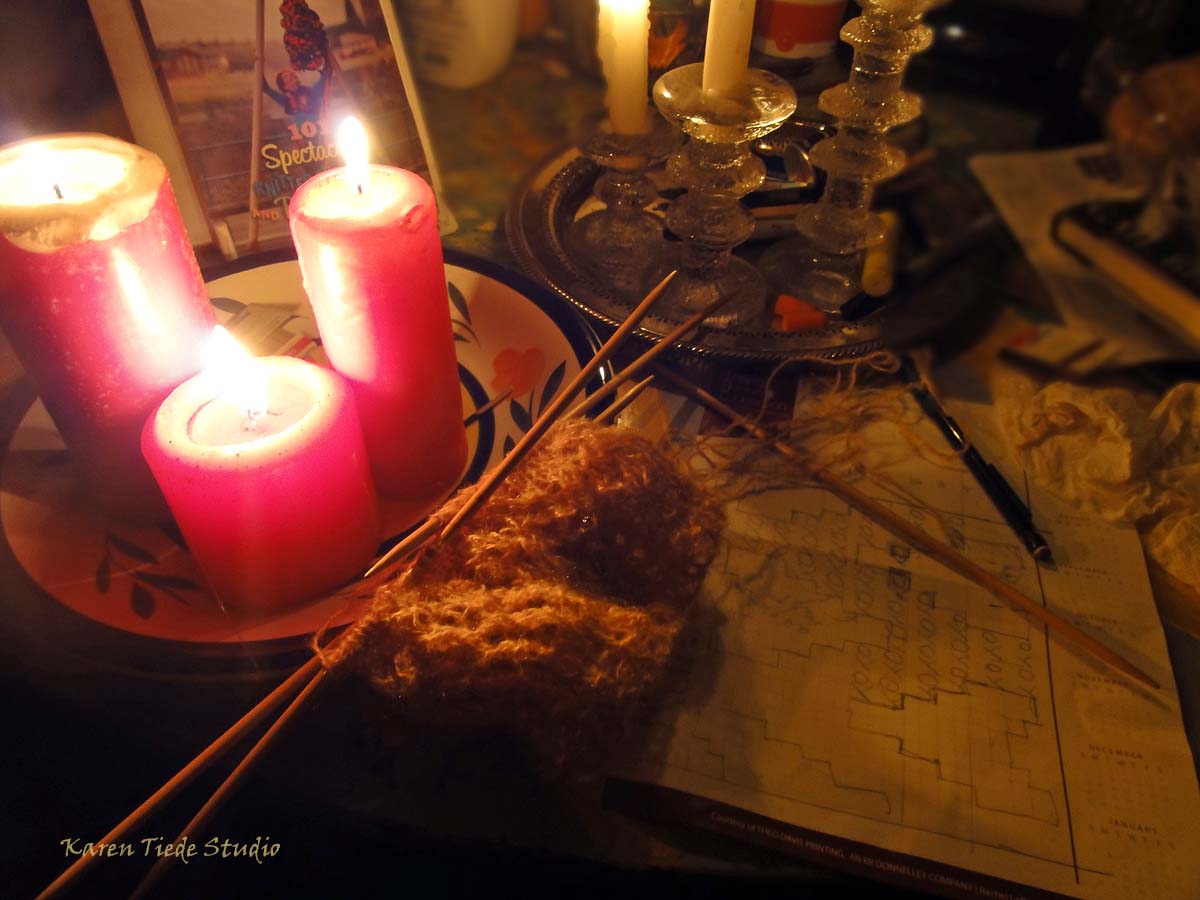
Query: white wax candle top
[64, 189]
[40, 175]
[334, 194]
[223, 421]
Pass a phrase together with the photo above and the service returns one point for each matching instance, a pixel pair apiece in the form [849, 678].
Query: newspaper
[1029, 189]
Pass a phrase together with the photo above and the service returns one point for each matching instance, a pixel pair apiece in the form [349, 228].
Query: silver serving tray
[547, 203]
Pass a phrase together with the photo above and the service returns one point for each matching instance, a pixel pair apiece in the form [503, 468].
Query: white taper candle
[623, 45]
[727, 47]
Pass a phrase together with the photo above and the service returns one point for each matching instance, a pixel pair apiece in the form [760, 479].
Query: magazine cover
[256, 91]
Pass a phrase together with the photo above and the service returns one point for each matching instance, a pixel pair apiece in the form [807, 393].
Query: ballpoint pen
[1006, 500]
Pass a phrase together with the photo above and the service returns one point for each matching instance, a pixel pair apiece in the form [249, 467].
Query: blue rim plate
[133, 597]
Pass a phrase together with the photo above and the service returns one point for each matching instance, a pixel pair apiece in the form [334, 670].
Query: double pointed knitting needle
[551, 413]
[429, 533]
[917, 537]
[669, 339]
[484, 488]
[487, 407]
[619, 406]
[228, 786]
[187, 774]
[311, 674]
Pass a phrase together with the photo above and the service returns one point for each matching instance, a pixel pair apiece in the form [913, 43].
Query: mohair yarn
[553, 612]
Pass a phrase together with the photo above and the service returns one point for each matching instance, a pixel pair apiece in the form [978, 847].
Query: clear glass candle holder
[622, 244]
[717, 169]
[823, 264]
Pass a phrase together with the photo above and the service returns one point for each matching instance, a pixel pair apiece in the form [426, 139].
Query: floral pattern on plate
[510, 336]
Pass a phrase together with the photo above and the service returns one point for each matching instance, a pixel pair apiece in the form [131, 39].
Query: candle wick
[359, 185]
[58, 191]
[252, 417]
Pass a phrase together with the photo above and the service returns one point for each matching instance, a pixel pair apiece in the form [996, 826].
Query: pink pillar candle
[372, 266]
[277, 506]
[101, 298]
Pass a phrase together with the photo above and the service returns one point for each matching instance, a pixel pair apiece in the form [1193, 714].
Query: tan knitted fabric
[554, 610]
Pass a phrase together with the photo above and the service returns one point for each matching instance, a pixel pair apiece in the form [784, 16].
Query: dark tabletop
[360, 801]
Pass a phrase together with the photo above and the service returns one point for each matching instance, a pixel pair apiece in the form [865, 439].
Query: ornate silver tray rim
[546, 204]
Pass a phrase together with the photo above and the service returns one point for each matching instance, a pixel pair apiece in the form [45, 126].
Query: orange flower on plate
[517, 371]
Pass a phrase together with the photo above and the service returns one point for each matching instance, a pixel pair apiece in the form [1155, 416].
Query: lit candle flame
[352, 143]
[236, 375]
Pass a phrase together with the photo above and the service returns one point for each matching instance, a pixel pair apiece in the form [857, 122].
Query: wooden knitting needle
[487, 407]
[188, 773]
[484, 488]
[917, 537]
[610, 414]
[669, 339]
[551, 413]
[217, 800]
[415, 540]
[196, 825]
[311, 671]
[424, 535]
[429, 533]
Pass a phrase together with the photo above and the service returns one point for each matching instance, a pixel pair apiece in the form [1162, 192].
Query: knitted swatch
[554, 610]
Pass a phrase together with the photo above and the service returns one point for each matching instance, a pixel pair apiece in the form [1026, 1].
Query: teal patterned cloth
[487, 140]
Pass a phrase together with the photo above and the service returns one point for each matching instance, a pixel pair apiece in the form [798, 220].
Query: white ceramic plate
[510, 334]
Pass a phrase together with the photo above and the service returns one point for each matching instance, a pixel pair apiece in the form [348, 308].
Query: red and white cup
[797, 29]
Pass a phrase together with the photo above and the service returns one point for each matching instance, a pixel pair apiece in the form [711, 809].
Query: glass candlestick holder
[823, 265]
[717, 169]
[622, 244]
